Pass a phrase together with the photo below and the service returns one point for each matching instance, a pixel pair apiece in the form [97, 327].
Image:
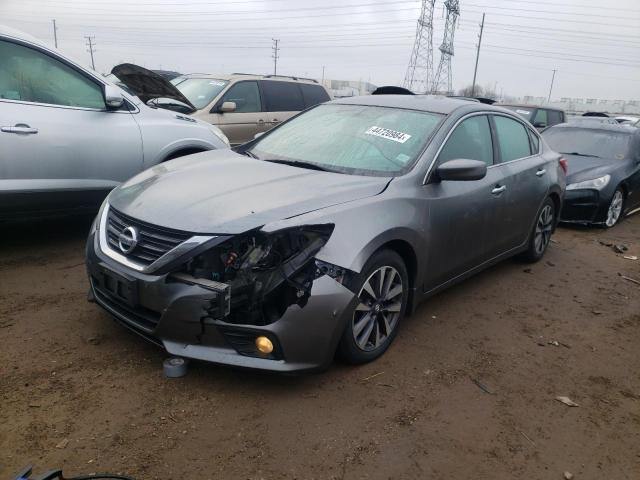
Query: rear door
[526, 178]
[282, 100]
[241, 125]
[59, 146]
[462, 214]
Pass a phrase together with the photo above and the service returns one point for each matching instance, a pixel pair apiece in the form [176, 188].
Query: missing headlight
[266, 273]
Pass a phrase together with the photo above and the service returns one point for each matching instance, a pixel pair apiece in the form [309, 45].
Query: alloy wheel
[378, 312]
[544, 229]
[615, 209]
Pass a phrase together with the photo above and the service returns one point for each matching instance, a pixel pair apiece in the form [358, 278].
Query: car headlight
[218, 133]
[596, 184]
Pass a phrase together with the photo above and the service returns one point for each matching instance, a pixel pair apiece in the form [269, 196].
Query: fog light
[264, 345]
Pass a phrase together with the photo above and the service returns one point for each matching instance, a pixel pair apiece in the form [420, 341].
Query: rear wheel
[541, 235]
[383, 291]
[614, 212]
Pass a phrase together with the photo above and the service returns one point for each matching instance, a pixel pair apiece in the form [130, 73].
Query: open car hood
[147, 85]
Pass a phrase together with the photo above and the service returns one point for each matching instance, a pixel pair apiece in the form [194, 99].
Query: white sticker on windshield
[217, 83]
[388, 134]
[523, 112]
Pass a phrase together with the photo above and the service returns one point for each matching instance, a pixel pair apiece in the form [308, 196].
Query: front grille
[153, 241]
[140, 318]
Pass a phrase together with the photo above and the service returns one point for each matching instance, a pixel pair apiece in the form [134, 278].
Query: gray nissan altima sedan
[321, 235]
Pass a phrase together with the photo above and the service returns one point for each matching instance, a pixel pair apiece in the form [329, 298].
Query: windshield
[351, 139]
[199, 91]
[523, 112]
[589, 142]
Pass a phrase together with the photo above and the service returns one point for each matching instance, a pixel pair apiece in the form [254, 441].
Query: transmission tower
[420, 70]
[442, 82]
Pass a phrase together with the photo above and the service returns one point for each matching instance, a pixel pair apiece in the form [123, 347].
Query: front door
[59, 146]
[461, 215]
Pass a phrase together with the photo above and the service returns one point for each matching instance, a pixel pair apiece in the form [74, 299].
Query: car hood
[222, 192]
[146, 84]
[586, 168]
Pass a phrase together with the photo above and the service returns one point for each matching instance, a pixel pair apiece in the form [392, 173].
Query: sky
[595, 49]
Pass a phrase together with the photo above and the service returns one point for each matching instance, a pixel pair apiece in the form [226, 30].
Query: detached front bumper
[583, 206]
[173, 314]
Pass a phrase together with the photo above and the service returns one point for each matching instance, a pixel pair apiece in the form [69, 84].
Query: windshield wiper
[301, 164]
[578, 154]
[248, 153]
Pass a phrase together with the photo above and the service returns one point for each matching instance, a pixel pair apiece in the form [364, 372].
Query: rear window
[590, 142]
[282, 96]
[313, 94]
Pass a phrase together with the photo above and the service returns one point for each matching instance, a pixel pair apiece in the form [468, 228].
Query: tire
[365, 339]
[615, 209]
[540, 236]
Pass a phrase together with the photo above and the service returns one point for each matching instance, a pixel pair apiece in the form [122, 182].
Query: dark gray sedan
[322, 234]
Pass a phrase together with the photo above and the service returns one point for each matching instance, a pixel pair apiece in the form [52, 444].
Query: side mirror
[113, 98]
[540, 125]
[228, 107]
[258, 135]
[462, 170]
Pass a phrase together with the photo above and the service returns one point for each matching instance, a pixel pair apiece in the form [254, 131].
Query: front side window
[31, 76]
[541, 117]
[471, 140]
[512, 138]
[245, 95]
[356, 139]
[199, 91]
[282, 96]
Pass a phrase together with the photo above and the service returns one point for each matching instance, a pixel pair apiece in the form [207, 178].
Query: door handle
[540, 173]
[498, 190]
[20, 128]
[275, 120]
[260, 121]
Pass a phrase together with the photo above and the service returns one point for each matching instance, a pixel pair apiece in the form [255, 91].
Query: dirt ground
[78, 391]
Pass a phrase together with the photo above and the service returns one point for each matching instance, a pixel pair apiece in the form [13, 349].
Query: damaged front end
[250, 288]
[260, 275]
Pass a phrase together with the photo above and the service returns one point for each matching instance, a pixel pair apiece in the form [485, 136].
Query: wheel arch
[408, 254]
[181, 152]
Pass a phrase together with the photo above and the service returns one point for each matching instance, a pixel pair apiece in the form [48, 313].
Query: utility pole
[322, 75]
[551, 89]
[275, 55]
[475, 72]
[91, 48]
[55, 33]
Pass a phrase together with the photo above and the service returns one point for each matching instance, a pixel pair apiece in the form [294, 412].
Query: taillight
[564, 165]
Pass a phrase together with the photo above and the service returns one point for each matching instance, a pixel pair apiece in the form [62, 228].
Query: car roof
[522, 105]
[605, 127]
[426, 103]
[249, 76]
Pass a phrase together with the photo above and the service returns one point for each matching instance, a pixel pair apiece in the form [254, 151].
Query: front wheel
[614, 212]
[383, 292]
[541, 235]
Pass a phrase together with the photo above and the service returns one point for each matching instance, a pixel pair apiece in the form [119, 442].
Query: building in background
[348, 88]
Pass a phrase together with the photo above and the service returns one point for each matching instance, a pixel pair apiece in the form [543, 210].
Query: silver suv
[68, 136]
[241, 104]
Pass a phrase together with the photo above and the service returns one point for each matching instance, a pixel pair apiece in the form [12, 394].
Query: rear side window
[313, 94]
[32, 76]
[282, 96]
[246, 96]
[512, 138]
[554, 117]
[471, 140]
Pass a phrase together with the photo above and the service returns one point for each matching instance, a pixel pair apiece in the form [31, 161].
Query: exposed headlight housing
[265, 272]
[218, 133]
[595, 184]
